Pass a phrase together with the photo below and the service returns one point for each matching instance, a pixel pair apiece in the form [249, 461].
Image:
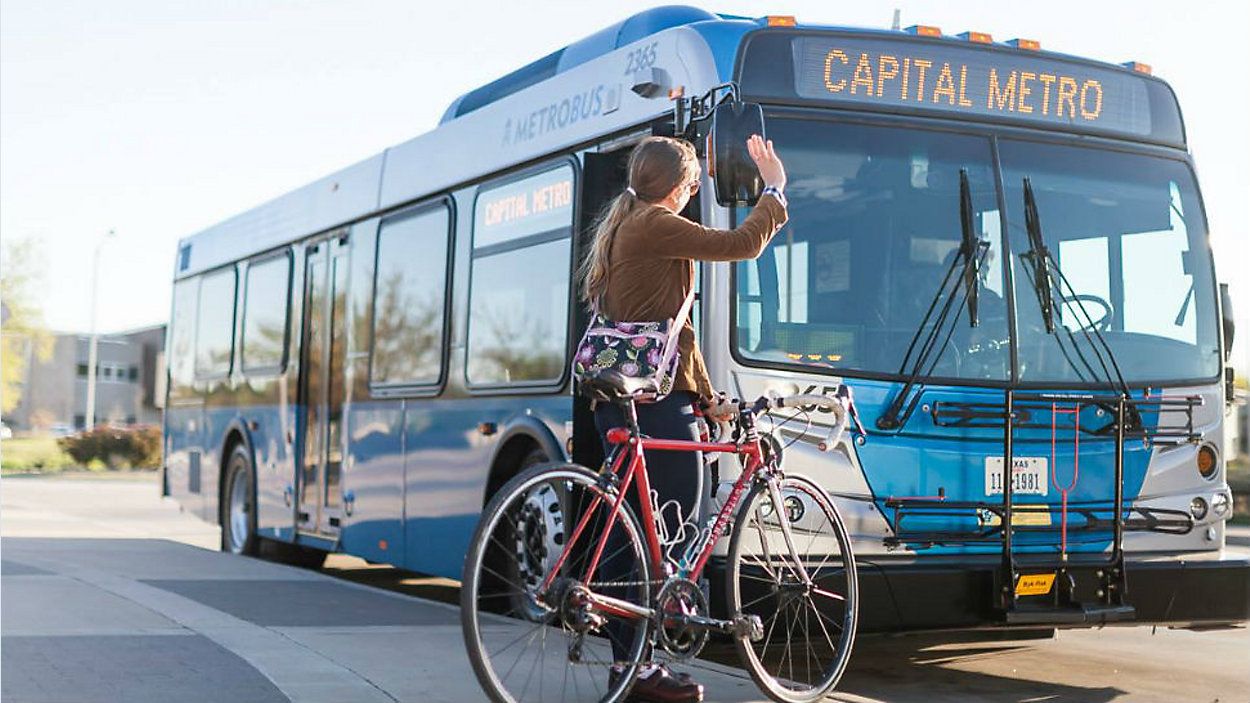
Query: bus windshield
[874, 226]
[1129, 237]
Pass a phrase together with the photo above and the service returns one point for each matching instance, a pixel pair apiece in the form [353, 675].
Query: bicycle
[529, 578]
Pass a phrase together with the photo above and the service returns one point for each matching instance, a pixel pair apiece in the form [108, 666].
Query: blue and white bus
[1000, 249]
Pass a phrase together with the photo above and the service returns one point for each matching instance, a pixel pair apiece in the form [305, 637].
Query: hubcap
[539, 537]
[239, 510]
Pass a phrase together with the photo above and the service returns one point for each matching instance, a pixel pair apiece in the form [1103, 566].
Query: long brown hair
[656, 166]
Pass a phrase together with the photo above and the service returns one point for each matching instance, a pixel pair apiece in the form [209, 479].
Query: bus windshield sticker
[970, 81]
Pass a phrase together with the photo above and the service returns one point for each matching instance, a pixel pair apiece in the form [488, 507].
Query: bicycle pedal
[748, 627]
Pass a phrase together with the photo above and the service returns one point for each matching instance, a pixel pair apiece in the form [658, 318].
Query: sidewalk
[111, 594]
[128, 617]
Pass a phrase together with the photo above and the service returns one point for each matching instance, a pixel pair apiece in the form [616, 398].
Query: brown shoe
[656, 684]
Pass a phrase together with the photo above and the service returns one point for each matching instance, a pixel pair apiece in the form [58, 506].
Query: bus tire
[238, 504]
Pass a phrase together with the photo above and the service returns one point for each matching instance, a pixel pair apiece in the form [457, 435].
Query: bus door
[322, 391]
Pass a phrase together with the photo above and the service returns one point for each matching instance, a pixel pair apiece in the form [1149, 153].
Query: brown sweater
[651, 270]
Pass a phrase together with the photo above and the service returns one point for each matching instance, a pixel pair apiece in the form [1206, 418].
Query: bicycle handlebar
[833, 404]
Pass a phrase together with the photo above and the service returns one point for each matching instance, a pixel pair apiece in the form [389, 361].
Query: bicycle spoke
[528, 642]
[828, 594]
[753, 601]
[828, 638]
[518, 639]
[533, 658]
[814, 556]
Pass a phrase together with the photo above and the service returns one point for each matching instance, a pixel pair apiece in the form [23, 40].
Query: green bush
[116, 448]
[39, 454]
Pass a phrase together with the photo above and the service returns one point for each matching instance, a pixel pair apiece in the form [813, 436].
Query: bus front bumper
[959, 593]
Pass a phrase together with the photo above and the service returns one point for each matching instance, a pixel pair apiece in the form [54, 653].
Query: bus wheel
[238, 509]
[536, 529]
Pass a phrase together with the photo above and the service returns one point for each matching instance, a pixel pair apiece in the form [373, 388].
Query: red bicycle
[566, 591]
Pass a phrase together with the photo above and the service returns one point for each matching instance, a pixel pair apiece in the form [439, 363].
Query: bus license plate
[1028, 475]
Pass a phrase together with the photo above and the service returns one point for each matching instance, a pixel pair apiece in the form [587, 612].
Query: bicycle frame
[631, 459]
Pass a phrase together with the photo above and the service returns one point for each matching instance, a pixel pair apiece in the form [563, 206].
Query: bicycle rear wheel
[809, 621]
[529, 645]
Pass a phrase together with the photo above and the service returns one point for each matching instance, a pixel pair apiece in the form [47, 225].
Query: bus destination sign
[890, 73]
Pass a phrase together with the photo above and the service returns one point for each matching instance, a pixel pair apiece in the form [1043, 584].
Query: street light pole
[93, 349]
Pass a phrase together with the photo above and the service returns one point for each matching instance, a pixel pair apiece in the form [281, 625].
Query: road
[109, 593]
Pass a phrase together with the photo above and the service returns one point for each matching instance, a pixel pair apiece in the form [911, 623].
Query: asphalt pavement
[109, 593]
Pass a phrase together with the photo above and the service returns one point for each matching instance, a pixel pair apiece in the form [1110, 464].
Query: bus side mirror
[737, 180]
[1226, 320]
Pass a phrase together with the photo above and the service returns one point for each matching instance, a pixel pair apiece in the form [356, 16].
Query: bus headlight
[1198, 508]
[1220, 503]
[1207, 463]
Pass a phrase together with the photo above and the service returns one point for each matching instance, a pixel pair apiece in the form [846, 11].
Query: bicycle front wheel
[803, 588]
[527, 643]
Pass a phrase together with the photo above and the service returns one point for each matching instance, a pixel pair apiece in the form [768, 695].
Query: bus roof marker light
[977, 37]
[924, 30]
[781, 21]
[1137, 66]
[678, 92]
[1026, 44]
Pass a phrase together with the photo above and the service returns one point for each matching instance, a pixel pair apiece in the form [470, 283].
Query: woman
[641, 266]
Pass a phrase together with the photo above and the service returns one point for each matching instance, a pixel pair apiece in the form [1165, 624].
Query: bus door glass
[322, 385]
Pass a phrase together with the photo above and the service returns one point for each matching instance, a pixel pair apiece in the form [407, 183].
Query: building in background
[129, 386]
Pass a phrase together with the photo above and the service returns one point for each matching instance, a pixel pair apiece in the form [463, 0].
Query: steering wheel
[1103, 323]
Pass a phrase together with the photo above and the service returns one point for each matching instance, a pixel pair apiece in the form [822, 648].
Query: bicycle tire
[782, 598]
[473, 616]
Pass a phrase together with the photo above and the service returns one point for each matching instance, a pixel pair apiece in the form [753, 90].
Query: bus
[1001, 251]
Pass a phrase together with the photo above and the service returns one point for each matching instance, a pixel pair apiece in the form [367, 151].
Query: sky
[158, 118]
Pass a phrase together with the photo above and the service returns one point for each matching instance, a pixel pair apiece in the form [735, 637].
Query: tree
[24, 335]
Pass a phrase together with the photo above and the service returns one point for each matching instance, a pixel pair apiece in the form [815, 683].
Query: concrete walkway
[105, 610]
[110, 594]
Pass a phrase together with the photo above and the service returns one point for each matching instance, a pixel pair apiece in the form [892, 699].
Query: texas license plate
[1028, 475]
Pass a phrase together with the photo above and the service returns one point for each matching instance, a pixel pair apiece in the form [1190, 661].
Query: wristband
[776, 193]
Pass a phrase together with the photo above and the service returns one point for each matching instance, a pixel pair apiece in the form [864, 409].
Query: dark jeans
[676, 482]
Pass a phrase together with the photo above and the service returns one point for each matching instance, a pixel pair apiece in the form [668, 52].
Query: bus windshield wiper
[970, 248]
[940, 323]
[1048, 279]
[1038, 258]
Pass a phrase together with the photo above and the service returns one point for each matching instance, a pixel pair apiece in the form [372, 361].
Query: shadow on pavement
[886, 668]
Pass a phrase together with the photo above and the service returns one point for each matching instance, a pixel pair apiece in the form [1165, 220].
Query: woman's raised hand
[767, 161]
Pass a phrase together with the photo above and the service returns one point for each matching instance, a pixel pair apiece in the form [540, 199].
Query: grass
[27, 454]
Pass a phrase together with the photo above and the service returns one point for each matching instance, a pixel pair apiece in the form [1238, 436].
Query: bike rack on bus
[1152, 420]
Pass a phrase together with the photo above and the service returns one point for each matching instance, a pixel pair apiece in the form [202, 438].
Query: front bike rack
[1118, 419]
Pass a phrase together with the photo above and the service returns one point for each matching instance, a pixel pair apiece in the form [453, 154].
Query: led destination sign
[529, 206]
[970, 81]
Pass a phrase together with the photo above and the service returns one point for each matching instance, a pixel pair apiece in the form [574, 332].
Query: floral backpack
[641, 350]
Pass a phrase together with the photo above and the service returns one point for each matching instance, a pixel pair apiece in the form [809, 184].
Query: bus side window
[410, 298]
[182, 338]
[519, 281]
[262, 348]
[214, 333]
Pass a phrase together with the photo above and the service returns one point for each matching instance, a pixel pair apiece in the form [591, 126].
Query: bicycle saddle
[612, 385]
